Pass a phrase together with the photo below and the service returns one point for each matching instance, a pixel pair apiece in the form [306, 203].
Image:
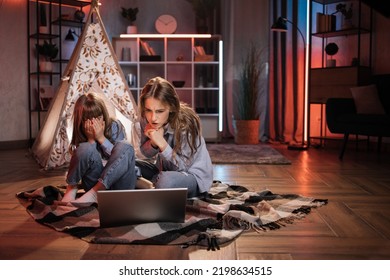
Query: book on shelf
[199, 50]
[200, 54]
[325, 23]
[152, 52]
[146, 48]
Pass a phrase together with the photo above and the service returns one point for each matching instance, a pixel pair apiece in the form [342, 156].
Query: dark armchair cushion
[342, 115]
[367, 100]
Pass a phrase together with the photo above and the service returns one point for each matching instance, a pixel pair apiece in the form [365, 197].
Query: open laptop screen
[125, 207]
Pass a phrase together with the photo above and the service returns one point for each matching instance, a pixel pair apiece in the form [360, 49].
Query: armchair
[343, 115]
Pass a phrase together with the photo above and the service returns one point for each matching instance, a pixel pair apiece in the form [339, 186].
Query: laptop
[138, 206]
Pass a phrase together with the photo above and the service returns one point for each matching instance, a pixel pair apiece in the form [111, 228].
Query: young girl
[97, 137]
[172, 141]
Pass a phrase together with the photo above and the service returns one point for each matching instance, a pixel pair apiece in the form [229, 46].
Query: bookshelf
[192, 60]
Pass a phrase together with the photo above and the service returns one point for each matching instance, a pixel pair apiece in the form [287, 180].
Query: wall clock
[166, 24]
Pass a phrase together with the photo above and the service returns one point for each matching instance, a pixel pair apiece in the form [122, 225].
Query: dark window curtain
[286, 98]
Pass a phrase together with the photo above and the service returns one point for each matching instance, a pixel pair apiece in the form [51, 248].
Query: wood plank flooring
[354, 225]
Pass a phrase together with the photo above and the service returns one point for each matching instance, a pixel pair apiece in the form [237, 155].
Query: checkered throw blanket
[217, 219]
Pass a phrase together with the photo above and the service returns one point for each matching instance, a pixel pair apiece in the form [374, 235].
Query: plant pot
[331, 63]
[46, 66]
[43, 29]
[246, 132]
[126, 54]
[132, 29]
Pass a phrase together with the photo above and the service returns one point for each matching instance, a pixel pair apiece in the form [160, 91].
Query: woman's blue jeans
[168, 179]
[86, 167]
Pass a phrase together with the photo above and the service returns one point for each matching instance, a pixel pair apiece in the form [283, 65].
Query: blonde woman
[172, 141]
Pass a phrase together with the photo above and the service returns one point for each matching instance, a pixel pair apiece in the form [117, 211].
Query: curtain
[244, 22]
[287, 62]
[281, 103]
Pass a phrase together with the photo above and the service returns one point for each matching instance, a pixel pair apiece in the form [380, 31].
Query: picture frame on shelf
[46, 94]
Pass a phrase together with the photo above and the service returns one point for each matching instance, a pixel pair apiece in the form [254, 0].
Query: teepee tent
[93, 67]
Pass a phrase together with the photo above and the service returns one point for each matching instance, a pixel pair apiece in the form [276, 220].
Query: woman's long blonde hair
[88, 106]
[182, 118]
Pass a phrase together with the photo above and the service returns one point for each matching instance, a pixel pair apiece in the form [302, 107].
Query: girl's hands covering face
[89, 131]
[98, 126]
[94, 129]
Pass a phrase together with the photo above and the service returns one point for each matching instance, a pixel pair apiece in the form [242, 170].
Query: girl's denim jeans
[168, 179]
[86, 167]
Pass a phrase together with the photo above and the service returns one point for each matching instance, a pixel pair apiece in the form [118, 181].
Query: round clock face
[166, 24]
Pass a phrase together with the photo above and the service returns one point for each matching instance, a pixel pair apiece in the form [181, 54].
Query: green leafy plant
[130, 14]
[48, 50]
[248, 94]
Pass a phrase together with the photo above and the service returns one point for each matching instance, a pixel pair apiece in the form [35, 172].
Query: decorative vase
[355, 61]
[331, 63]
[246, 132]
[132, 29]
[46, 66]
[126, 54]
[347, 23]
[43, 29]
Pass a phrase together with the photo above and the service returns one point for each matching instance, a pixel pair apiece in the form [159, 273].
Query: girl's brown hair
[182, 118]
[87, 107]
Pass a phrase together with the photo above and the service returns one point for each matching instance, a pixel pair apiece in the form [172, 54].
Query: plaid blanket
[217, 219]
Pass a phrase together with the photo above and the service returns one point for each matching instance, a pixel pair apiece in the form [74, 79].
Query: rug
[217, 219]
[245, 154]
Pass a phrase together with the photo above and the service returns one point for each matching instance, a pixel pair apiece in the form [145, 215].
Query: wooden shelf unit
[353, 59]
[57, 28]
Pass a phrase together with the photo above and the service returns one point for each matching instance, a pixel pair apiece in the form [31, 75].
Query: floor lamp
[281, 26]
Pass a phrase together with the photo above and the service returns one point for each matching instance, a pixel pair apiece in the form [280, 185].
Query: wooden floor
[354, 225]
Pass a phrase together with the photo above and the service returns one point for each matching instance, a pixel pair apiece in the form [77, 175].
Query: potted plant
[331, 49]
[347, 15]
[49, 51]
[246, 122]
[131, 15]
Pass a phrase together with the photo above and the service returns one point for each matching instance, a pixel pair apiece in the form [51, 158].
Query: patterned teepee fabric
[93, 68]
